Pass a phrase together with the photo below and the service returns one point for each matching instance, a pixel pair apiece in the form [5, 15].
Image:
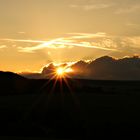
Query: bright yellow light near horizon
[67, 70]
[61, 71]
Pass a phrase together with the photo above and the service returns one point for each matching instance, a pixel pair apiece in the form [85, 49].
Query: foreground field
[87, 109]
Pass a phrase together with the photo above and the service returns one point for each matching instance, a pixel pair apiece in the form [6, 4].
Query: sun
[61, 75]
[60, 71]
[63, 71]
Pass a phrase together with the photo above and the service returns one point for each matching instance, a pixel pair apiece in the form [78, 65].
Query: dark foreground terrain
[36, 109]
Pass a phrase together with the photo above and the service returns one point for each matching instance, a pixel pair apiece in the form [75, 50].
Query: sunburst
[63, 72]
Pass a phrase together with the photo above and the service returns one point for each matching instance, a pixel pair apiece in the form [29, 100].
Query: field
[88, 109]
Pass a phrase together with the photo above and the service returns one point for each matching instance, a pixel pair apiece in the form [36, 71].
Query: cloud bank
[88, 46]
[72, 40]
[119, 6]
[103, 68]
[88, 7]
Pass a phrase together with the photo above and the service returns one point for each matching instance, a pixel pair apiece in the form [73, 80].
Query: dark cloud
[104, 68]
[112, 69]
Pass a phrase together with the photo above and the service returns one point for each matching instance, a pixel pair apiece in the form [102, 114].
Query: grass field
[89, 109]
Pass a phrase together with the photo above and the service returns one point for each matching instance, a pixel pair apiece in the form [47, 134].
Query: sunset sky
[34, 33]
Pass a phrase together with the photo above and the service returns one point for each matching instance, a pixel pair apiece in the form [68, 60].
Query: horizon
[69, 64]
[102, 68]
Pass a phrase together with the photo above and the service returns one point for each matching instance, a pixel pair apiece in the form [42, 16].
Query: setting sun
[60, 71]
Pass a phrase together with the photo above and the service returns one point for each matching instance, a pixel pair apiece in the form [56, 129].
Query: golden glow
[68, 70]
[61, 71]
[27, 45]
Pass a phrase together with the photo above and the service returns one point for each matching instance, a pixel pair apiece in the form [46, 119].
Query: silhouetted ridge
[12, 83]
[10, 75]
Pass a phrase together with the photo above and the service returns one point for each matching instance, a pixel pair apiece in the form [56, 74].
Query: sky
[34, 33]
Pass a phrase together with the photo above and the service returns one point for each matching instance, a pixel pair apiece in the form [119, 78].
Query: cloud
[88, 7]
[134, 42]
[61, 44]
[103, 68]
[21, 32]
[86, 35]
[120, 7]
[127, 10]
[132, 25]
[23, 40]
[111, 45]
[3, 46]
[72, 40]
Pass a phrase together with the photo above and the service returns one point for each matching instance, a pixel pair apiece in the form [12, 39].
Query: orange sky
[34, 33]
